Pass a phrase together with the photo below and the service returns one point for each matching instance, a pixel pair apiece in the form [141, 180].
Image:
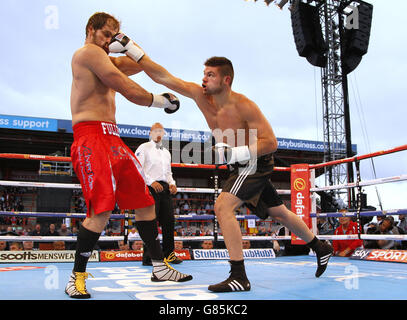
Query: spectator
[398, 244]
[385, 228]
[189, 232]
[370, 228]
[58, 245]
[27, 231]
[123, 246]
[64, 231]
[262, 231]
[402, 224]
[207, 244]
[180, 232]
[28, 245]
[137, 245]
[178, 245]
[37, 231]
[379, 219]
[51, 231]
[345, 248]
[3, 245]
[10, 231]
[16, 246]
[246, 244]
[74, 231]
[133, 234]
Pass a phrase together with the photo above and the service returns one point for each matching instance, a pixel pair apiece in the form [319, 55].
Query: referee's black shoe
[147, 261]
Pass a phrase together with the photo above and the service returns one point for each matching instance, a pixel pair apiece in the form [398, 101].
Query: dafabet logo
[299, 184]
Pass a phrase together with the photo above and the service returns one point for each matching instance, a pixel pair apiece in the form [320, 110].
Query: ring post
[300, 196]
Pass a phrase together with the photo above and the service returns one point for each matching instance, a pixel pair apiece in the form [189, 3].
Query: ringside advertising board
[380, 255]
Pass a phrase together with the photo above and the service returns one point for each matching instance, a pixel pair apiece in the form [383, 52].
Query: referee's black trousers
[165, 217]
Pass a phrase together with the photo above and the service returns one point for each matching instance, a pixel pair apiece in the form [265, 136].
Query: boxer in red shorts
[108, 171]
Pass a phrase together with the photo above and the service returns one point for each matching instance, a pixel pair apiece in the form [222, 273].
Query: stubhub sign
[28, 123]
[205, 254]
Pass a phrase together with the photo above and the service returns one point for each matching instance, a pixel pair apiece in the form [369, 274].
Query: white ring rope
[362, 183]
[397, 237]
[78, 186]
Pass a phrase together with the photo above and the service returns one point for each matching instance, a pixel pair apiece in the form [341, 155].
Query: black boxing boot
[323, 251]
[237, 280]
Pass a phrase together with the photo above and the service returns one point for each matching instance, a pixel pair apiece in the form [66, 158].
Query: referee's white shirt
[156, 162]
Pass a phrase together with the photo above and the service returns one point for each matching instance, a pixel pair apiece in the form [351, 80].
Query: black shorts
[251, 184]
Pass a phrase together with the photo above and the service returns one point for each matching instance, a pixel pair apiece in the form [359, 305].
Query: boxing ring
[367, 275]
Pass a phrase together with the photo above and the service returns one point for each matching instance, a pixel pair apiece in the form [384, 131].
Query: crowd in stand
[194, 203]
[11, 199]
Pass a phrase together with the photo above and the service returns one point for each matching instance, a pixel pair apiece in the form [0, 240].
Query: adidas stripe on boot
[324, 251]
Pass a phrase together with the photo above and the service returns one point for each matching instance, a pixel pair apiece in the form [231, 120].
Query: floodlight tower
[334, 35]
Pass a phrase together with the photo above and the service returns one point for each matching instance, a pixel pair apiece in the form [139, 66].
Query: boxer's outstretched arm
[126, 65]
[160, 75]
[123, 44]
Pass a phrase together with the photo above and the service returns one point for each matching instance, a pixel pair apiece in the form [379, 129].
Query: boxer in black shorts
[254, 188]
[242, 133]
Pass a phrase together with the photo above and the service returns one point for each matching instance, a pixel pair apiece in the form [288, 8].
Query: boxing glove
[165, 101]
[121, 43]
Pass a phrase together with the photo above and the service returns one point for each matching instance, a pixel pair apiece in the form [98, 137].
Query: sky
[40, 37]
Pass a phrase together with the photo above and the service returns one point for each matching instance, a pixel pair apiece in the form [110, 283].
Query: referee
[156, 163]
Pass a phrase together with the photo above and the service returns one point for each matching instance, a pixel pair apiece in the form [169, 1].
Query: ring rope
[362, 213]
[396, 237]
[362, 157]
[402, 177]
[78, 186]
[201, 217]
[68, 159]
[208, 190]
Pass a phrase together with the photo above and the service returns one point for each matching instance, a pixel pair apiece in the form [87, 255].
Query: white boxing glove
[121, 43]
[165, 101]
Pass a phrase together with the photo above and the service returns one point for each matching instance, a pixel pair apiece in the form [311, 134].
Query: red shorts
[107, 169]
